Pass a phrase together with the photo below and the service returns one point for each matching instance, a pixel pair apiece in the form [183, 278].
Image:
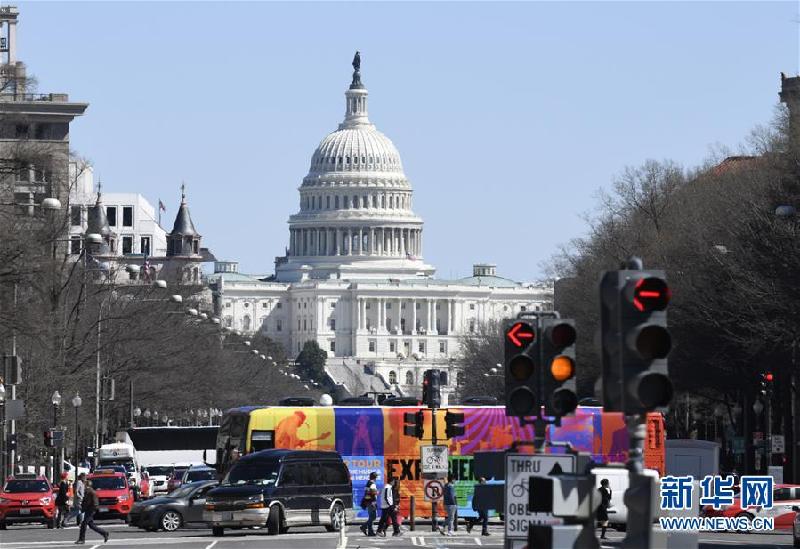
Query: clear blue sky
[508, 117]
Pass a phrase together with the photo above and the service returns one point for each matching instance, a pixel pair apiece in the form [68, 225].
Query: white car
[159, 475]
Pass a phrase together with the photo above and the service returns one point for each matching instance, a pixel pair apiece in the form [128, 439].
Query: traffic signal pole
[434, 441]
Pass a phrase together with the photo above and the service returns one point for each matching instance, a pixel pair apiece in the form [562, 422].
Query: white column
[428, 327]
[360, 241]
[371, 241]
[448, 326]
[434, 316]
[413, 316]
[402, 242]
[399, 313]
[364, 314]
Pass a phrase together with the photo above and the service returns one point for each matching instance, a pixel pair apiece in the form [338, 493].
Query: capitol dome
[355, 215]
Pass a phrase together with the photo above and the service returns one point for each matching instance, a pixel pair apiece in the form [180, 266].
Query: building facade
[354, 278]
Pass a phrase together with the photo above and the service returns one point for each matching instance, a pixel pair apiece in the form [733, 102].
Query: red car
[784, 496]
[27, 498]
[114, 494]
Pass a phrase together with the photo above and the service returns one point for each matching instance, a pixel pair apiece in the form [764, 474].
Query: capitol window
[471, 326]
[278, 325]
[388, 306]
[333, 346]
[279, 305]
[443, 347]
[371, 345]
[409, 378]
[327, 202]
[333, 304]
[392, 377]
[264, 305]
[421, 347]
[392, 346]
[227, 304]
[336, 202]
[472, 307]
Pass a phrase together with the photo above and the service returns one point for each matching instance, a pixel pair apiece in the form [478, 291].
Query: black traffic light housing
[454, 424]
[431, 389]
[559, 390]
[12, 442]
[766, 383]
[414, 424]
[634, 339]
[522, 367]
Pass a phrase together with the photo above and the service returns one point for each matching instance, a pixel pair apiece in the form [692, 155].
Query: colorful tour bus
[371, 439]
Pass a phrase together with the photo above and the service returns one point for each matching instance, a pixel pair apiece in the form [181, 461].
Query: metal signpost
[519, 469]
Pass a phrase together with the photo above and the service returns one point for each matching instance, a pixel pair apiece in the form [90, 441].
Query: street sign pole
[434, 441]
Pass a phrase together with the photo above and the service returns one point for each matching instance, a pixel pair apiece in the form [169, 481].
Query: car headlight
[45, 500]
[122, 498]
[4, 501]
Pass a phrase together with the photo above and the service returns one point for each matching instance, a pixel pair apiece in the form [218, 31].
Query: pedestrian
[90, 503]
[370, 503]
[62, 501]
[605, 504]
[483, 515]
[135, 490]
[390, 500]
[78, 491]
[450, 505]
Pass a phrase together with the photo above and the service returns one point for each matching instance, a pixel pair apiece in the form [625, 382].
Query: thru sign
[519, 469]
[434, 459]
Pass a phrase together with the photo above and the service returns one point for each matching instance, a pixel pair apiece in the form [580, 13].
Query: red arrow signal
[520, 334]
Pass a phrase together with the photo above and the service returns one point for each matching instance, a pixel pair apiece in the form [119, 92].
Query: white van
[120, 453]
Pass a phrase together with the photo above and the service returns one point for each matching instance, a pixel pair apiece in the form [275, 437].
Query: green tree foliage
[311, 361]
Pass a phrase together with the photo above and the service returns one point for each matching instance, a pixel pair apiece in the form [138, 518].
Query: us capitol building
[354, 276]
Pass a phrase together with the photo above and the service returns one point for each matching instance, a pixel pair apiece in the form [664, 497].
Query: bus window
[262, 440]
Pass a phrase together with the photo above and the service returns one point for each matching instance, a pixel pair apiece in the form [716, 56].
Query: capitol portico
[353, 277]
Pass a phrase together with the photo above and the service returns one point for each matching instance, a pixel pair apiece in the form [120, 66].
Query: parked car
[159, 475]
[784, 498]
[176, 478]
[196, 473]
[796, 526]
[114, 493]
[279, 489]
[181, 507]
[27, 498]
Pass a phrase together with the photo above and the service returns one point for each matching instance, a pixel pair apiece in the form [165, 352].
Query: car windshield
[181, 492]
[19, 486]
[260, 471]
[159, 471]
[178, 472]
[201, 474]
[108, 483]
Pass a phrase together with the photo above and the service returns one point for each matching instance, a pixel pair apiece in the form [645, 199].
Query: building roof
[183, 220]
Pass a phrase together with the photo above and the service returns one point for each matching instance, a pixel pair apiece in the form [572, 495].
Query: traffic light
[766, 383]
[635, 340]
[454, 424]
[413, 424]
[431, 389]
[12, 442]
[57, 438]
[559, 390]
[522, 374]
[48, 439]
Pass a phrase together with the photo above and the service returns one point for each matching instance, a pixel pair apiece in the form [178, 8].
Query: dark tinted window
[334, 473]
[263, 471]
[111, 214]
[108, 483]
[200, 474]
[127, 216]
[782, 494]
[159, 471]
[298, 474]
[18, 486]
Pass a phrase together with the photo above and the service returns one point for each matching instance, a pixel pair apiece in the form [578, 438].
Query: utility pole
[434, 441]
[13, 427]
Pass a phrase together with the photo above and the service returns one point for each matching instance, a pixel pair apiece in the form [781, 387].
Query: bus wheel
[218, 531]
[274, 521]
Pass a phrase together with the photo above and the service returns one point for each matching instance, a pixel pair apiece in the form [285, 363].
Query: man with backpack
[90, 504]
[370, 504]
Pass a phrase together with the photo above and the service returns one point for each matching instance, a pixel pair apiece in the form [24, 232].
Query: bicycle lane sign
[519, 469]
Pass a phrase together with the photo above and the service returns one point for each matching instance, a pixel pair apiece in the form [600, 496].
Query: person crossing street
[90, 504]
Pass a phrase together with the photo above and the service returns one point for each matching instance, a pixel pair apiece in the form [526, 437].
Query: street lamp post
[56, 400]
[76, 403]
[2, 429]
